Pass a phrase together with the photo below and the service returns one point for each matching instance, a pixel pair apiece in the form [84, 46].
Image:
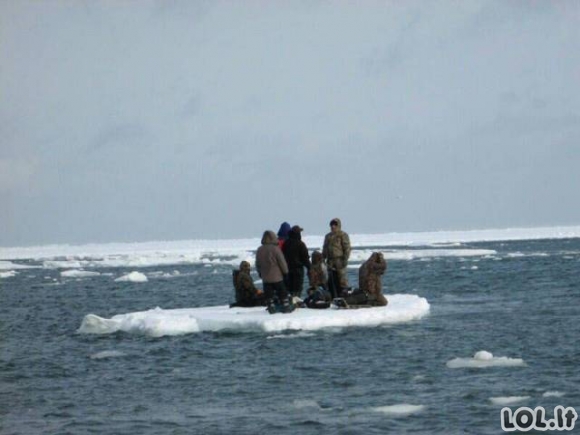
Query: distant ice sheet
[483, 359]
[158, 322]
[232, 252]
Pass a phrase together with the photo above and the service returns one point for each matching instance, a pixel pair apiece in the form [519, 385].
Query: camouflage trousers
[337, 272]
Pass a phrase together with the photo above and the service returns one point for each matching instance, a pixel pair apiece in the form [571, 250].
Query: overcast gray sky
[158, 120]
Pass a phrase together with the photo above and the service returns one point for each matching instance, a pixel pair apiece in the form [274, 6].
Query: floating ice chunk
[157, 322]
[133, 277]
[78, 274]
[509, 400]
[9, 274]
[553, 394]
[306, 404]
[483, 355]
[9, 265]
[296, 335]
[108, 354]
[401, 409]
[483, 359]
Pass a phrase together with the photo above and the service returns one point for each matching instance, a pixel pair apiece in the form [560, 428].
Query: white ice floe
[508, 400]
[9, 265]
[75, 273]
[306, 404]
[8, 274]
[108, 354]
[401, 409]
[158, 322]
[132, 277]
[300, 334]
[553, 394]
[483, 359]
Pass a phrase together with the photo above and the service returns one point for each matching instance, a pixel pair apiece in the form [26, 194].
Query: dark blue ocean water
[521, 302]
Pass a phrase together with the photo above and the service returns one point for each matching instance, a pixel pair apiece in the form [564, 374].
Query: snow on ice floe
[133, 277]
[158, 322]
[483, 359]
[508, 400]
[401, 409]
[75, 273]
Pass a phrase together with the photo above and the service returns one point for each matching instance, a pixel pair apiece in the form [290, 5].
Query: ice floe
[133, 277]
[401, 409]
[508, 400]
[483, 359]
[75, 273]
[158, 322]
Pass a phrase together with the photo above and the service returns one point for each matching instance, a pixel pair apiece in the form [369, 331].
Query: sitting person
[318, 294]
[247, 295]
[370, 283]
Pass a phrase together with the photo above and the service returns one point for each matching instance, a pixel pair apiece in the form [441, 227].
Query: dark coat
[296, 252]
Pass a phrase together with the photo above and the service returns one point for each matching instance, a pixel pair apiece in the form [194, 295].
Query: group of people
[281, 260]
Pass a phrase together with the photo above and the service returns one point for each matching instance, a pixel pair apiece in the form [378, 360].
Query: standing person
[283, 234]
[336, 251]
[272, 267]
[296, 255]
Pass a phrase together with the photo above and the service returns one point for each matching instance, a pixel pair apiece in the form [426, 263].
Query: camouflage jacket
[336, 245]
[244, 285]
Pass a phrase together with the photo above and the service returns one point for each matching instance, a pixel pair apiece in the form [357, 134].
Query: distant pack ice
[232, 252]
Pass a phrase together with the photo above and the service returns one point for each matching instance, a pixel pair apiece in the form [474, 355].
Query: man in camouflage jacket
[336, 251]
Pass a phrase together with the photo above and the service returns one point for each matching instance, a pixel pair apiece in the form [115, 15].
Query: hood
[316, 257]
[269, 238]
[284, 230]
[338, 222]
[294, 235]
[379, 259]
[244, 266]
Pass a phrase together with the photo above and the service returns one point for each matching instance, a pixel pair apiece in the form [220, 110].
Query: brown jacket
[270, 262]
[370, 278]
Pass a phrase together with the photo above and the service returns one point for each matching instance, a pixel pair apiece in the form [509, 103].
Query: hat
[297, 229]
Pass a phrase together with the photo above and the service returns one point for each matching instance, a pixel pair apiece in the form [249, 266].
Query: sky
[168, 120]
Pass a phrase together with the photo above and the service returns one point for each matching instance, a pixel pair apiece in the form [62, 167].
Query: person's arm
[346, 246]
[281, 262]
[304, 257]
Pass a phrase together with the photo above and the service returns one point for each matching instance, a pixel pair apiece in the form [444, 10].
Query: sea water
[502, 330]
